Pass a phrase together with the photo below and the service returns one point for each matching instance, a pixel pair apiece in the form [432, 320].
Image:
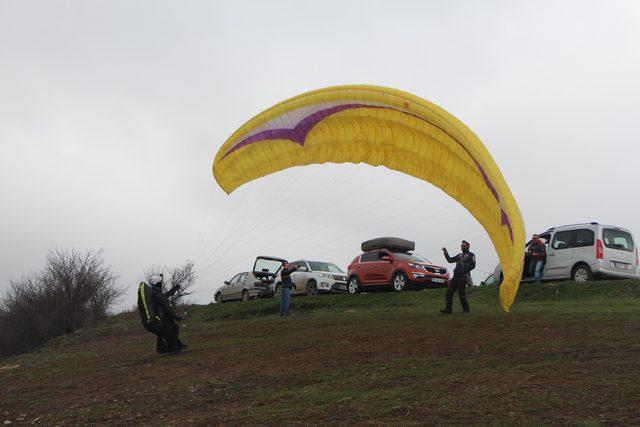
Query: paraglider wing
[381, 127]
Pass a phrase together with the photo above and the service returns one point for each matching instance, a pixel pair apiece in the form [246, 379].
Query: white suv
[582, 252]
[314, 277]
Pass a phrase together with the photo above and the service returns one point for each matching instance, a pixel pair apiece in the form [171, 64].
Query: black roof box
[392, 243]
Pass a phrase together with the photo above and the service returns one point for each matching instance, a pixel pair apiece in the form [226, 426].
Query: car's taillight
[599, 249]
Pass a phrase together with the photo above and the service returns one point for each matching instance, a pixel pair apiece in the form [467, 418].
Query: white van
[582, 252]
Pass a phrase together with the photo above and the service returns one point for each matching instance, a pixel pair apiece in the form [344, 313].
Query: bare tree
[183, 275]
[73, 290]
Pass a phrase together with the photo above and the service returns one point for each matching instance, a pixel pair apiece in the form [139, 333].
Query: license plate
[621, 265]
[437, 280]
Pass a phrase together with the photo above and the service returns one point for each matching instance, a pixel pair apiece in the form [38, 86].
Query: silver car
[314, 277]
[242, 287]
[582, 252]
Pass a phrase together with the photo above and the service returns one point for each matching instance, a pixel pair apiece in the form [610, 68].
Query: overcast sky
[111, 113]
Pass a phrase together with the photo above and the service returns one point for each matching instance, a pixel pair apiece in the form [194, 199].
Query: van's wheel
[582, 273]
[399, 281]
[219, 299]
[353, 286]
[245, 296]
[312, 288]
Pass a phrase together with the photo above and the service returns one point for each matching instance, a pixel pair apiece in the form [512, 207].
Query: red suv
[391, 262]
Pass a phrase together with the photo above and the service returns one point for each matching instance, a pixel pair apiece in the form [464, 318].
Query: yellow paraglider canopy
[382, 127]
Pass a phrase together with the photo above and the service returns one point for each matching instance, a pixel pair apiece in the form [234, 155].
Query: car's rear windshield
[324, 266]
[617, 239]
[406, 256]
[267, 266]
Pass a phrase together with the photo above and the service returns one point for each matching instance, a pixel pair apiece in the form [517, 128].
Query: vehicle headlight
[416, 266]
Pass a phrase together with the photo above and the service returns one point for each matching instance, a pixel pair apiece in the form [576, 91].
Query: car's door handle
[552, 254]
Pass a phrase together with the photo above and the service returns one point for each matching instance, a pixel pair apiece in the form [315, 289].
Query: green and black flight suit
[465, 262]
[158, 317]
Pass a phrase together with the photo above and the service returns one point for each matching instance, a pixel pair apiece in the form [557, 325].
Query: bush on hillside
[72, 291]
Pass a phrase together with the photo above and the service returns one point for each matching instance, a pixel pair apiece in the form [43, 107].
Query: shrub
[72, 291]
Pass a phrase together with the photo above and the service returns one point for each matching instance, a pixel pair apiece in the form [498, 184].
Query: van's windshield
[617, 239]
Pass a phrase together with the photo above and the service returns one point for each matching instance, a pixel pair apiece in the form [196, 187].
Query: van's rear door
[619, 250]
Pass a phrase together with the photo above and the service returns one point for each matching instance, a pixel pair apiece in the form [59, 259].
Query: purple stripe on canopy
[299, 133]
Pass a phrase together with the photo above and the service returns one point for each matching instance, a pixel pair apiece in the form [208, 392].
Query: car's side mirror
[387, 258]
[302, 269]
[226, 282]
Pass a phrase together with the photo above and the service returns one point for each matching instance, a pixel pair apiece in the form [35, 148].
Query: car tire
[353, 285]
[245, 296]
[312, 288]
[218, 298]
[581, 273]
[399, 281]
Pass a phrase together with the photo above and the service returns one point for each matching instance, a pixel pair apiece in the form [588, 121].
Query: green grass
[566, 354]
[424, 301]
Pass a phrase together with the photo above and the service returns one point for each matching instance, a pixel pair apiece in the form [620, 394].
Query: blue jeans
[537, 265]
[285, 301]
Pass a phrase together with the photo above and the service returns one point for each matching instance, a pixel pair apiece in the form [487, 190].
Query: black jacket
[153, 303]
[465, 262]
[285, 276]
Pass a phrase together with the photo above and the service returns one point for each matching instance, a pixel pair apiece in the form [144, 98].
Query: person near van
[157, 315]
[465, 262]
[285, 288]
[537, 252]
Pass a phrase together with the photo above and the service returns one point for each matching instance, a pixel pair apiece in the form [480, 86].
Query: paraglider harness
[158, 317]
[148, 309]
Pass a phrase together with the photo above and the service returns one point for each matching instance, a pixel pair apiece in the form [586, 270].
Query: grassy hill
[567, 353]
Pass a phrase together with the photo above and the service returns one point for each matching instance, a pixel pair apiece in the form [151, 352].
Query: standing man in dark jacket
[285, 288]
[465, 262]
[537, 254]
[158, 317]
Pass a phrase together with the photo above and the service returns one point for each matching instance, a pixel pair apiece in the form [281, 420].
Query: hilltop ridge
[566, 354]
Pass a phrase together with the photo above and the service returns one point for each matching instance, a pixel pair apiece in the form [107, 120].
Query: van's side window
[562, 240]
[584, 237]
